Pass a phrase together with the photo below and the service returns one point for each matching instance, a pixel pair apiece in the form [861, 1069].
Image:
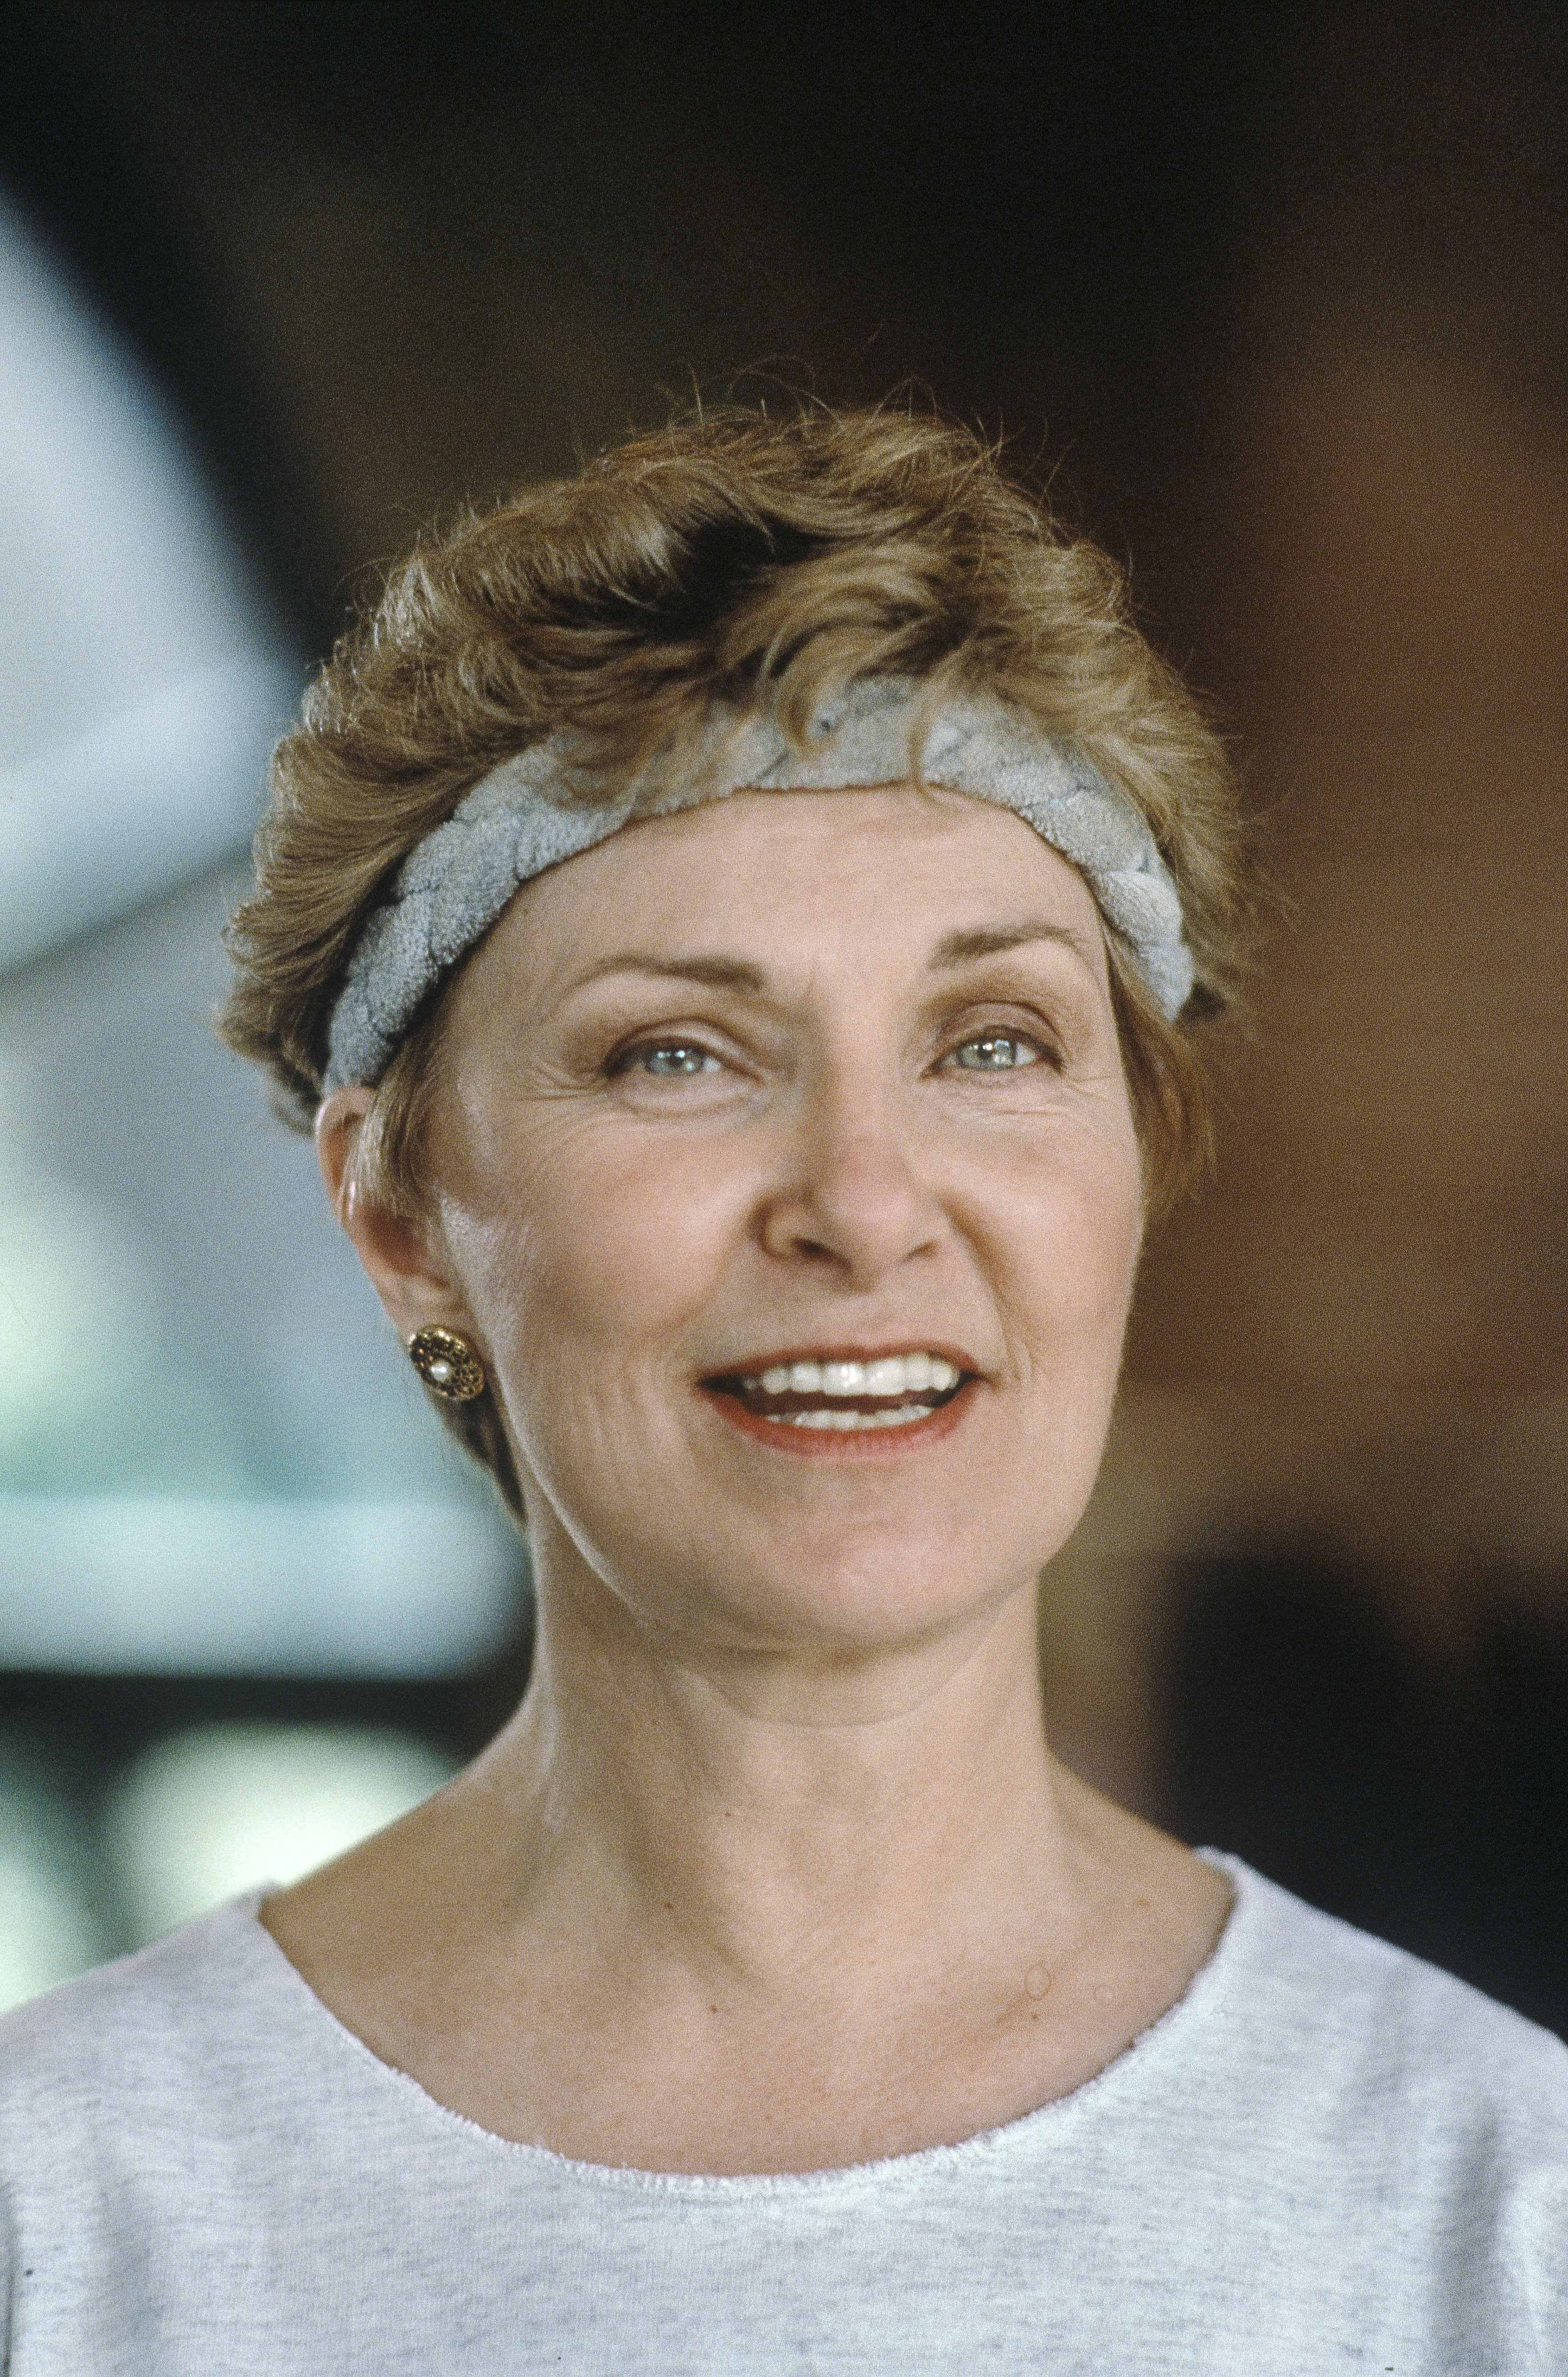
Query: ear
[403, 1260]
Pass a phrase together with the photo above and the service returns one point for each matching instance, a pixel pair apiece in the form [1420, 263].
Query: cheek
[583, 1245]
[1108, 1229]
[1074, 1230]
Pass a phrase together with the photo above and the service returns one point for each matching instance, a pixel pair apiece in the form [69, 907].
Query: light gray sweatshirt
[1327, 2156]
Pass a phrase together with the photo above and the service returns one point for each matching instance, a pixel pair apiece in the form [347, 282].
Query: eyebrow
[717, 973]
[963, 948]
[955, 949]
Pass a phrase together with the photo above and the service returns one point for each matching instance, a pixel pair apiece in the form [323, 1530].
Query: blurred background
[1275, 299]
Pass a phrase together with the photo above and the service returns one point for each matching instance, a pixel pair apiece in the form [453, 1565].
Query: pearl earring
[447, 1364]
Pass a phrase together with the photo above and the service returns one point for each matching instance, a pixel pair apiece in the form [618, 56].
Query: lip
[848, 1445]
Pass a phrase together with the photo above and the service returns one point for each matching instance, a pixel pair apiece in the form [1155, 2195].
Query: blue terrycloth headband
[514, 823]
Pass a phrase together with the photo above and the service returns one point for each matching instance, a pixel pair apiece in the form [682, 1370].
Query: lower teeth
[852, 1419]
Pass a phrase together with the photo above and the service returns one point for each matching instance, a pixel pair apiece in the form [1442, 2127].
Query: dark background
[1275, 300]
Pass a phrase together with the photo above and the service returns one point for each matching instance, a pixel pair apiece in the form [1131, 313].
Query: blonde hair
[766, 560]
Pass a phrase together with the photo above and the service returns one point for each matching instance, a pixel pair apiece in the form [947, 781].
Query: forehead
[798, 873]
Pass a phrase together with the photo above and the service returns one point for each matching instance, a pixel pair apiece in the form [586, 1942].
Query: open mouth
[845, 1397]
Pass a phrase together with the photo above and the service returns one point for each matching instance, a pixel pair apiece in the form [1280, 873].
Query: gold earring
[447, 1364]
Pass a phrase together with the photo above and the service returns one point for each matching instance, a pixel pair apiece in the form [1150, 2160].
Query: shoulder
[1331, 2126]
[134, 2044]
[1381, 2081]
[193, 2154]
[1351, 2005]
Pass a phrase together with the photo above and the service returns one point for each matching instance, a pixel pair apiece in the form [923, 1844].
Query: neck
[768, 1813]
[706, 1908]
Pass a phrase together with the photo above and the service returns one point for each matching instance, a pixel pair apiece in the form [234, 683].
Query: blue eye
[994, 1052]
[674, 1059]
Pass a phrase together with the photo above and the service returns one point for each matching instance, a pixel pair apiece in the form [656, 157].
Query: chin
[882, 1594]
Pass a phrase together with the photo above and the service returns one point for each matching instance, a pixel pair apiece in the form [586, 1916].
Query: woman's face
[790, 1081]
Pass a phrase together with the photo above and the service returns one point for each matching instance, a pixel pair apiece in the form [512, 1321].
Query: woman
[736, 922]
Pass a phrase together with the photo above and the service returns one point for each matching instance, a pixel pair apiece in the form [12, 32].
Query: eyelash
[997, 1034]
[626, 1059]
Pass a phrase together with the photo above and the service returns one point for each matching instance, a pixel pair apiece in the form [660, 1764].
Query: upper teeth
[891, 1374]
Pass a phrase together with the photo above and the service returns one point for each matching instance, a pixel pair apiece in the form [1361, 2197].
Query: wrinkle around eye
[631, 1073]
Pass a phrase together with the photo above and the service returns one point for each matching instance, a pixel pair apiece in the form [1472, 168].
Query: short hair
[767, 559]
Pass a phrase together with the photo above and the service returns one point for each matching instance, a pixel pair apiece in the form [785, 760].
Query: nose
[855, 1200]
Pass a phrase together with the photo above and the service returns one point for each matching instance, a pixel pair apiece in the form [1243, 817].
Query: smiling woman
[737, 924]
[711, 1107]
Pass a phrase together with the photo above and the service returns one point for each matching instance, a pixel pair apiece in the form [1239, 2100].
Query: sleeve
[1532, 2273]
[7, 2276]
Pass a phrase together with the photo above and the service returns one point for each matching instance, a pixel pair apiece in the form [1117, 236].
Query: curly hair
[766, 560]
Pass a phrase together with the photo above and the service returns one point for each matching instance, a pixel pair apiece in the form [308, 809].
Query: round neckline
[921, 2162]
